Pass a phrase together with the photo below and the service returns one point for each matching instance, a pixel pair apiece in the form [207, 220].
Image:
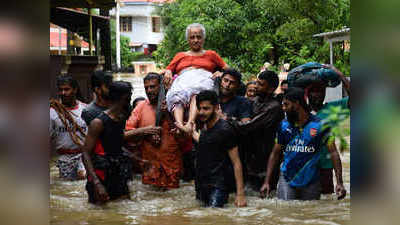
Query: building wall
[141, 14]
[143, 68]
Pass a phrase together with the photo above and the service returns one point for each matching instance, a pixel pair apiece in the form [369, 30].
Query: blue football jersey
[302, 151]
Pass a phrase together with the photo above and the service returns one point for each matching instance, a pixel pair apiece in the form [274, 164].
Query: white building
[139, 22]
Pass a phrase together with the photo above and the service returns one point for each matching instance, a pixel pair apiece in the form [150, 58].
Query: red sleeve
[217, 59]
[133, 121]
[174, 63]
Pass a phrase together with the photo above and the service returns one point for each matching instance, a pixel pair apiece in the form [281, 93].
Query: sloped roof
[83, 3]
[333, 33]
[76, 21]
[55, 37]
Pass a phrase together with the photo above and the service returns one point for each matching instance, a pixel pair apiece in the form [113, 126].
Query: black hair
[152, 76]
[101, 77]
[207, 96]
[250, 82]
[296, 94]
[69, 80]
[136, 101]
[233, 73]
[271, 77]
[119, 89]
[284, 82]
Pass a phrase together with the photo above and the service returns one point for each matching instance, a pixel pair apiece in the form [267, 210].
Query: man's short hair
[152, 76]
[118, 89]
[207, 96]
[296, 94]
[67, 79]
[271, 77]
[100, 77]
[234, 73]
[137, 100]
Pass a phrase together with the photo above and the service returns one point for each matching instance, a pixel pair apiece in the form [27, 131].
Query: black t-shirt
[212, 155]
[91, 112]
[238, 107]
[112, 137]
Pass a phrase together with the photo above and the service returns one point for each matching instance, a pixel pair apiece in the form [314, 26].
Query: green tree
[247, 33]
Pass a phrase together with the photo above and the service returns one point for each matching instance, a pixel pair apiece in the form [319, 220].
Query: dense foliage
[247, 33]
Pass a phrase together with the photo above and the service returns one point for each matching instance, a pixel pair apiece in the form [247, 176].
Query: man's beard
[67, 100]
[292, 117]
[260, 94]
[315, 104]
[211, 117]
[153, 101]
[225, 92]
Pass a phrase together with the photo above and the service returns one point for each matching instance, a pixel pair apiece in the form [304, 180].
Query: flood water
[68, 205]
[148, 206]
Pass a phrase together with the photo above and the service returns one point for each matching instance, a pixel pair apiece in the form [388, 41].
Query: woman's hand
[167, 77]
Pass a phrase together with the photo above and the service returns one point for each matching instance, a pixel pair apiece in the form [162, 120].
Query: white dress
[187, 84]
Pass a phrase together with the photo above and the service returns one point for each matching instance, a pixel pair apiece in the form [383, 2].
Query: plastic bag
[310, 73]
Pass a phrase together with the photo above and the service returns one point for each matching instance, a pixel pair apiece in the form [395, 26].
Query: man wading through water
[233, 107]
[100, 81]
[259, 133]
[301, 137]
[216, 146]
[67, 129]
[108, 168]
[164, 155]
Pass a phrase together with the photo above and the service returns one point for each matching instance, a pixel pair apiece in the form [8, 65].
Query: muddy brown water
[148, 206]
[68, 205]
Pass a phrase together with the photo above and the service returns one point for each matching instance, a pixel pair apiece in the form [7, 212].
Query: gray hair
[190, 26]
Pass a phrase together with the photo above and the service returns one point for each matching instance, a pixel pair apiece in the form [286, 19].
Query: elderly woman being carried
[196, 70]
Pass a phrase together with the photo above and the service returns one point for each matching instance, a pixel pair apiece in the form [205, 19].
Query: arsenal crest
[313, 132]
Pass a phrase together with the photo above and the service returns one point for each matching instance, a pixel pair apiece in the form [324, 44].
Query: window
[156, 24]
[143, 69]
[125, 24]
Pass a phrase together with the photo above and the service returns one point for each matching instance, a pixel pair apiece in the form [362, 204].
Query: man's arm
[141, 132]
[345, 81]
[135, 133]
[337, 165]
[267, 119]
[237, 166]
[95, 129]
[273, 159]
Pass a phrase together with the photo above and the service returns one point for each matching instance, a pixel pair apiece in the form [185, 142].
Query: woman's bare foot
[187, 128]
[180, 126]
